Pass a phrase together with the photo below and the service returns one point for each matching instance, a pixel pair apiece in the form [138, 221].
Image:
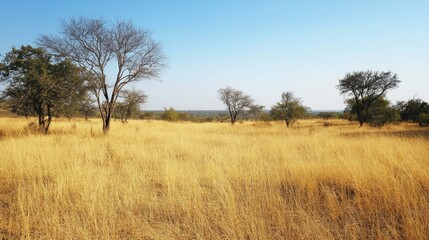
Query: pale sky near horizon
[260, 47]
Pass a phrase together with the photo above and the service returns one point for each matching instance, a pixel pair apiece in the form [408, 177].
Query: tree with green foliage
[378, 114]
[100, 48]
[412, 109]
[365, 87]
[288, 109]
[39, 85]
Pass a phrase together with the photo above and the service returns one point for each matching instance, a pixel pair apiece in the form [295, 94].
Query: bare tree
[99, 47]
[235, 100]
[365, 88]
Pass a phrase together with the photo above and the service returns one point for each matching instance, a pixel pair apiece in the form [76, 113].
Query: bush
[265, 117]
[412, 109]
[382, 116]
[424, 120]
[378, 114]
[170, 114]
[329, 115]
[183, 116]
[327, 124]
[147, 115]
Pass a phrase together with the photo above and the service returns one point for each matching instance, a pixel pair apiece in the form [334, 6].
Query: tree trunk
[43, 122]
[232, 116]
[47, 122]
[46, 125]
[40, 119]
[287, 121]
[106, 125]
[360, 119]
[106, 119]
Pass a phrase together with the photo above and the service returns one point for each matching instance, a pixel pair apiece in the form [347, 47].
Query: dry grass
[159, 180]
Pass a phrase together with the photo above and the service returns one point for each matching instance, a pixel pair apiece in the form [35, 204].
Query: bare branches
[95, 45]
[235, 100]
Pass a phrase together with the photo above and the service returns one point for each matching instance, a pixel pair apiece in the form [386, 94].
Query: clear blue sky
[260, 47]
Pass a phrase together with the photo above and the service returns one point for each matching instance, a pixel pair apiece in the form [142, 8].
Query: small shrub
[32, 127]
[73, 127]
[2, 134]
[327, 124]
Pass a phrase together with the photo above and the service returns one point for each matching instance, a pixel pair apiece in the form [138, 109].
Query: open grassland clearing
[161, 180]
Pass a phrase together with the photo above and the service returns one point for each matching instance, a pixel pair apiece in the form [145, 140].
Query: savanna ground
[161, 180]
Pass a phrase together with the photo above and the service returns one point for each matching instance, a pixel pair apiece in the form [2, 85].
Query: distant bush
[184, 116]
[265, 117]
[170, 114]
[147, 115]
[209, 119]
[329, 115]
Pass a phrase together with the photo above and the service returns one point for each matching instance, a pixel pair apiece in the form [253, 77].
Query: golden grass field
[161, 180]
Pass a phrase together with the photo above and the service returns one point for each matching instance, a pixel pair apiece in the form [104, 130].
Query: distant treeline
[171, 114]
[413, 110]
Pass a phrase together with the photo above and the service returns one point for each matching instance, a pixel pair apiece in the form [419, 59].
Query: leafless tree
[235, 100]
[98, 47]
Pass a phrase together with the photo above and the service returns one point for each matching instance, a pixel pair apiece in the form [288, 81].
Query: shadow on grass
[418, 133]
